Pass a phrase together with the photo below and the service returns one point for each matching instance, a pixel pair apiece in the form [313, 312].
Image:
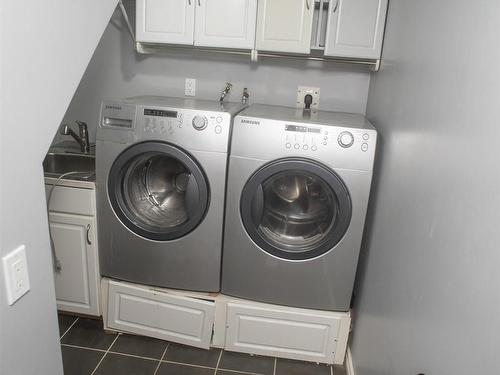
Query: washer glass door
[158, 190]
[295, 208]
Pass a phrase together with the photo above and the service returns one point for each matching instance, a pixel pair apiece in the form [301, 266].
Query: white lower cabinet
[77, 282]
[73, 230]
[150, 312]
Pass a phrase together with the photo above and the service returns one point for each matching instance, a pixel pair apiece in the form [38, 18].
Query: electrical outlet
[15, 270]
[302, 91]
[190, 88]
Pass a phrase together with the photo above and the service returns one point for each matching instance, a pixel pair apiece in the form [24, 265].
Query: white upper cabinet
[356, 28]
[225, 23]
[165, 21]
[284, 25]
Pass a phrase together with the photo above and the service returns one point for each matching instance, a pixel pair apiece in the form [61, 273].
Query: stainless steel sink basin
[57, 164]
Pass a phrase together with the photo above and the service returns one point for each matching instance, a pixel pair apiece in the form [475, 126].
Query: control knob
[200, 122]
[346, 139]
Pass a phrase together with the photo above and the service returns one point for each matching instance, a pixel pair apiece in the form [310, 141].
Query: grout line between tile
[240, 372]
[104, 356]
[187, 364]
[274, 368]
[161, 359]
[218, 362]
[84, 347]
[133, 356]
[71, 326]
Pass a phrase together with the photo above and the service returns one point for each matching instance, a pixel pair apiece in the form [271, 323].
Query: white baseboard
[349, 365]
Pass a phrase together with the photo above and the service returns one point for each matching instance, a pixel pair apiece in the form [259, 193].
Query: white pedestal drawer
[282, 332]
[150, 312]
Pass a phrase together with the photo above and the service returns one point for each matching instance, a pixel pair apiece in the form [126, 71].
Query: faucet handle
[64, 129]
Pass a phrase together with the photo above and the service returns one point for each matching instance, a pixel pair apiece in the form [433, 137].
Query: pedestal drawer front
[300, 335]
[149, 312]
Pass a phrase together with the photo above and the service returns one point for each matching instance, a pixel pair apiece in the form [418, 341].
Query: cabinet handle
[308, 5]
[88, 238]
[199, 3]
[336, 6]
[189, 2]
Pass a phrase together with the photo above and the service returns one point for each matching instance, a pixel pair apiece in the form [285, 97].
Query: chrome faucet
[82, 138]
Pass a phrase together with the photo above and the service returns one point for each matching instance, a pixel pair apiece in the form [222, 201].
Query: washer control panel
[168, 122]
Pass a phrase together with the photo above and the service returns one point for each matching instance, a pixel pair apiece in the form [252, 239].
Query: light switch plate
[190, 88]
[15, 270]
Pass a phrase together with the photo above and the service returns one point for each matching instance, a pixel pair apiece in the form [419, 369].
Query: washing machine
[297, 195]
[160, 175]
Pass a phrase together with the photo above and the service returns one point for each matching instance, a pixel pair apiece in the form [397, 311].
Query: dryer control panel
[347, 142]
[300, 137]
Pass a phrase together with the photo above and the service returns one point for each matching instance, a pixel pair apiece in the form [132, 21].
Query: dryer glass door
[295, 208]
[158, 191]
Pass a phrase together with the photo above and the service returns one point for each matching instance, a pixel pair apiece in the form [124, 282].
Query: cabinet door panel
[77, 282]
[356, 28]
[226, 23]
[161, 21]
[285, 25]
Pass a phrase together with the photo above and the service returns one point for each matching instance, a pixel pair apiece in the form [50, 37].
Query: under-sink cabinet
[209, 23]
[73, 230]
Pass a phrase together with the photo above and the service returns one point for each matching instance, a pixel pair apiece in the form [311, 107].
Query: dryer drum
[295, 208]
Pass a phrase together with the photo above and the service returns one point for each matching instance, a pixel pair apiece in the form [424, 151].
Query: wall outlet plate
[302, 91]
[15, 270]
[190, 87]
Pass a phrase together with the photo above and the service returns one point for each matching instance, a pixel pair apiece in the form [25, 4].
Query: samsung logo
[117, 107]
[250, 122]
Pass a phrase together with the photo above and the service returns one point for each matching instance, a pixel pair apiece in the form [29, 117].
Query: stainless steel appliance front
[298, 189]
[161, 169]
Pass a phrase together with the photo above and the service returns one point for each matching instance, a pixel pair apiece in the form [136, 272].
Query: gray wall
[117, 71]
[44, 49]
[429, 297]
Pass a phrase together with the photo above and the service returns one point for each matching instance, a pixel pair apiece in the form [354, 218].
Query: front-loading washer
[297, 195]
[161, 172]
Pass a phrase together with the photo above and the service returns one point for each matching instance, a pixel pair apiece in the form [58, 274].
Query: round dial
[200, 122]
[346, 139]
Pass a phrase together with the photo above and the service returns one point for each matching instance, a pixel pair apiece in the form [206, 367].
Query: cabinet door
[225, 23]
[165, 21]
[74, 238]
[285, 25]
[356, 28]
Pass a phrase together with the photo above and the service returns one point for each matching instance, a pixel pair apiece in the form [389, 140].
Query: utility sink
[57, 164]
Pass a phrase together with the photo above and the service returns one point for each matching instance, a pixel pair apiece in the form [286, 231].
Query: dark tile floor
[87, 350]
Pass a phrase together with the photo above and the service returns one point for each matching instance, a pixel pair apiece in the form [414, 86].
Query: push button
[218, 129]
[288, 145]
[366, 136]
[296, 146]
[364, 147]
